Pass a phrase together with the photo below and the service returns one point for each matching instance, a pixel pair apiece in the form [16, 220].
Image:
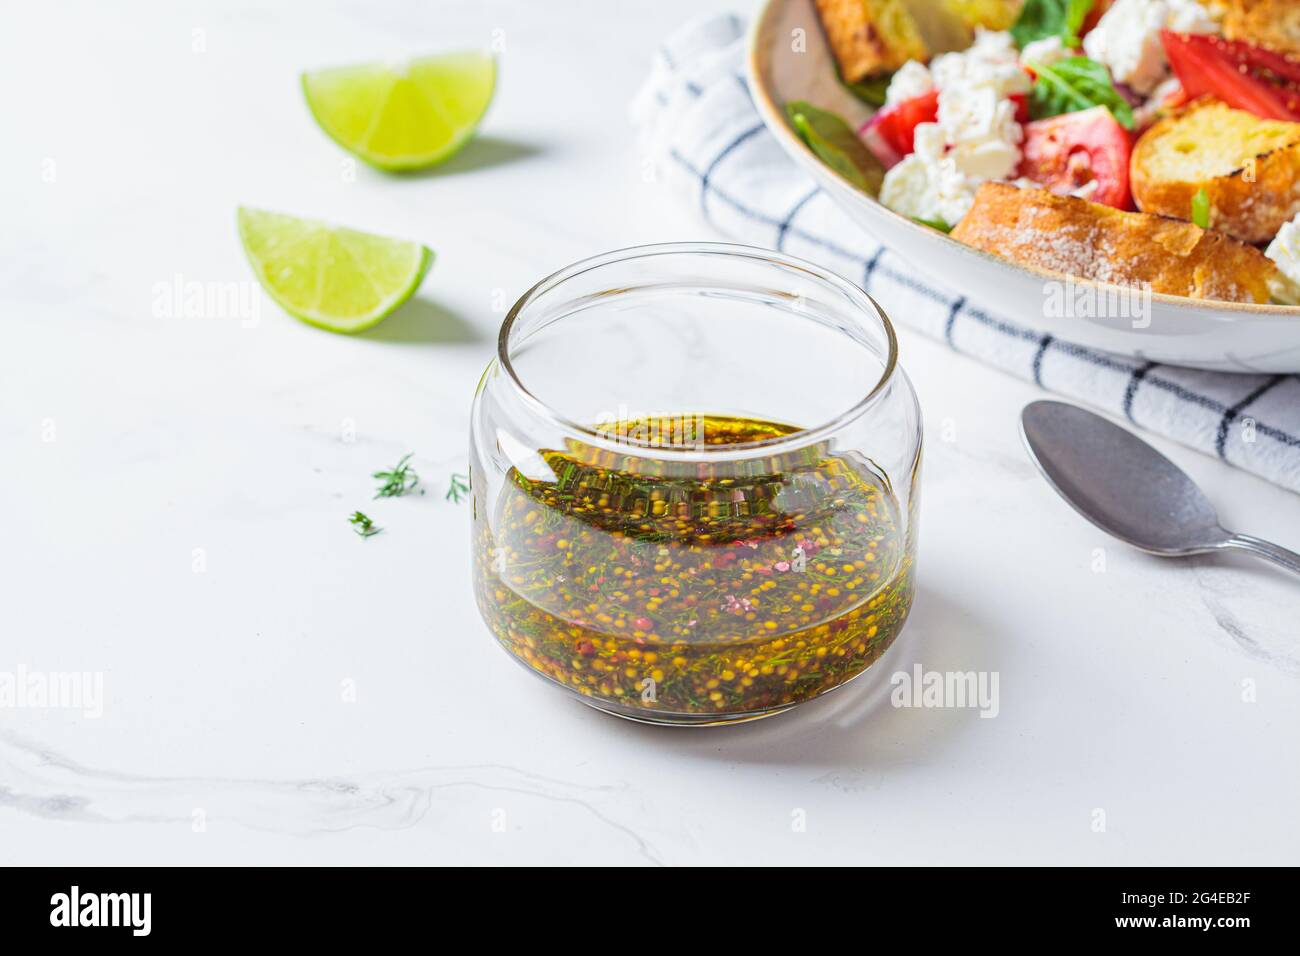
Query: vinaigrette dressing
[687, 592]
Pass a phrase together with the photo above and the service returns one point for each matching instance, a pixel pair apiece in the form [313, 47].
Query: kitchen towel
[700, 127]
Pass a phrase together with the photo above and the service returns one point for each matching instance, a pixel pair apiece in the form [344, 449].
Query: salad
[1061, 100]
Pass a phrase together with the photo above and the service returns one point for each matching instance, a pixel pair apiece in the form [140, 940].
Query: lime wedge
[403, 115]
[334, 278]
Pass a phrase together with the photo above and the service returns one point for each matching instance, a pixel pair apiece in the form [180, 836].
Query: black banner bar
[331, 906]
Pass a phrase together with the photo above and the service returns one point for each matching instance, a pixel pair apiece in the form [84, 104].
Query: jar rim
[799, 437]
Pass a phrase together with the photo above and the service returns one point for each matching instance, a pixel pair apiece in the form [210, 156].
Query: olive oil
[695, 592]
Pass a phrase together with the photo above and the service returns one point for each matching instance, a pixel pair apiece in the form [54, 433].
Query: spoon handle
[1265, 549]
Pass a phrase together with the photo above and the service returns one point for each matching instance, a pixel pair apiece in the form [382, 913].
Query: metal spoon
[1127, 488]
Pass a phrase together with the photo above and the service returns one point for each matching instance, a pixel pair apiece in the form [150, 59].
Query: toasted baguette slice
[1074, 237]
[871, 37]
[1249, 167]
[1271, 23]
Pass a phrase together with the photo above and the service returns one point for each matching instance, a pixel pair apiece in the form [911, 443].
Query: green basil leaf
[1040, 19]
[933, 223]
[1076, 11]
[871, 90]
[1073, 84]
[836, 145]
[1201, 208]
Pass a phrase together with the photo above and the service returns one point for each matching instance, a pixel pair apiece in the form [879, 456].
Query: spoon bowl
[1127, 488]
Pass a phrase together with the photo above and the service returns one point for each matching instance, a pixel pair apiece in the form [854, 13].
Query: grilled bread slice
[871, 37]
[1271, 23]
[1074, 237]
[1249, 167]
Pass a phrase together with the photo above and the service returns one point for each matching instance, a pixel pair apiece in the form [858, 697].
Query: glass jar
[694, 473]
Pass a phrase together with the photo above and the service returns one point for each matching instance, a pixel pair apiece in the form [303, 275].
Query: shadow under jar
[694, 474]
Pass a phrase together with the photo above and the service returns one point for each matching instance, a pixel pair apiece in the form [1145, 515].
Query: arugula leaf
[1073, 84]
[836, 145]
[1201, 208]
[1040, 19]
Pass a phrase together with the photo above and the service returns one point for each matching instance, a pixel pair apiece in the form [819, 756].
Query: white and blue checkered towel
[696, 116]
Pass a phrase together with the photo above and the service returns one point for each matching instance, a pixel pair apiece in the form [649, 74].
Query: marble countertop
[275, 690]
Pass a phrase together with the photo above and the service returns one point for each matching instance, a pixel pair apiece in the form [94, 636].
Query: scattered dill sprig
[457, 487]
[363, 526]
[398, 481]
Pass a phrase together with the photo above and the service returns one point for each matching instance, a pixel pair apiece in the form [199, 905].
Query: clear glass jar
[694, 473]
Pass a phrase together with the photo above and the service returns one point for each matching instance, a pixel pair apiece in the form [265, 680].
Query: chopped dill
[457, 487]
[398, 481]
[363, 526]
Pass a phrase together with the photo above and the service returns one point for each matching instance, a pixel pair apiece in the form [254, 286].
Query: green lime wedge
[338, 279]
[403, 115]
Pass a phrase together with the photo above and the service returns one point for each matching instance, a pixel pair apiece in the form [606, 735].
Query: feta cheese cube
[1285, 249]
[913, 79]
[1127, 38]
[1046, 51]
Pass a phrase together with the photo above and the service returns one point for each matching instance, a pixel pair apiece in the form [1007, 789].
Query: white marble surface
[130, 439]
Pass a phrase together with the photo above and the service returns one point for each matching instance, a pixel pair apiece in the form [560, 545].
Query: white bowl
[1162, 328]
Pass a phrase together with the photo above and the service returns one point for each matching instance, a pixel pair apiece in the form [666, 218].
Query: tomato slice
[1243, 75]
[1068, 151]
[897, 124]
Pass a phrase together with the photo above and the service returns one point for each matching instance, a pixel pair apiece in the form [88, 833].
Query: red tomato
[1094, 15]
[1071, 150]
[897, 124]
[1022, 106]
[1245, 76]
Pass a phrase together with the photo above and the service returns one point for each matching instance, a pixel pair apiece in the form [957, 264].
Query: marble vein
[39, 782]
